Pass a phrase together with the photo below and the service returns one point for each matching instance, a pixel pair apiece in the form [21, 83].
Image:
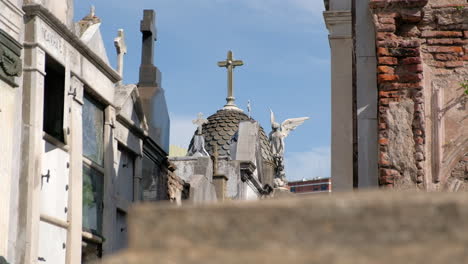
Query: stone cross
[92, 11]
[121, 47]
[199, 122]
[249, 108]
[230, 64]
[148, 72]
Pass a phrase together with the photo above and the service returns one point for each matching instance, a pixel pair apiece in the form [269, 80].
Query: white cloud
[182, 130]
[309, 164]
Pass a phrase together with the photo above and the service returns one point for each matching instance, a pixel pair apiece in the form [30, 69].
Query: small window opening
[54, 89]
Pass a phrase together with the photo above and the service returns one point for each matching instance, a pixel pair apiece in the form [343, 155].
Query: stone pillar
[341, 46]
[109, 212]
[220, 182]
[366, 96]
[10, 69]
[75, 215]
[31, 152]
[137, 177]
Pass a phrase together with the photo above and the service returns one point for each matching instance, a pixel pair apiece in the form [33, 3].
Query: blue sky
[283, 44]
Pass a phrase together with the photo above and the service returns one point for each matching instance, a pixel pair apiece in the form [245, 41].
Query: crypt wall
[422, 68]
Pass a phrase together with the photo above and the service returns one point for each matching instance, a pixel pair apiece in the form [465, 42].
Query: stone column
[31, 153]
[75, 201]
[366, 96]
[110, 148]
[137, 196]
[341, 45]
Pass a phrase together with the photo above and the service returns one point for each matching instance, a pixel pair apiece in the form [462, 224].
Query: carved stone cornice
[338, 23]
[52, 21]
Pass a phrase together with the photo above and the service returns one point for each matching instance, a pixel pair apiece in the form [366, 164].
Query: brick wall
[419, 43]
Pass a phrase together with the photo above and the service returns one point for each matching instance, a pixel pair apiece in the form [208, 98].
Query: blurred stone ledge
[359, 227]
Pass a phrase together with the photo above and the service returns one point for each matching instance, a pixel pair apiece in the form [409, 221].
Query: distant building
[176, 151]
[310, 186]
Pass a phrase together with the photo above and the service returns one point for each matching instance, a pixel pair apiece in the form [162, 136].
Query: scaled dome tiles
[222, 126]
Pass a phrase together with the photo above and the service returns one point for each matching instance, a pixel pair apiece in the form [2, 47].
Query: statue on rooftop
[277, 136]
[197, 149]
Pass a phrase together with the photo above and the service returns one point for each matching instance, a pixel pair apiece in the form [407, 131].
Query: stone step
[364, 227]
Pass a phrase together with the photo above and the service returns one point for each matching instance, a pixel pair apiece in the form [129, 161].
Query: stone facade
[75, 143]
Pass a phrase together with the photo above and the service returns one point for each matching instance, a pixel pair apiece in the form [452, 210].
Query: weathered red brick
[411, 68]
[388, 43]
[383, 159]
[464, 58]
[459, 41]
[445, 57]
[413, 43]
[411, 15]
[386, 28]
[454, 64]
[382, 126]
[389, 94]
[400, 86]
[442, 41]
[437, 64]
[383, 51]
[383, 101]
[387, 78]
[383, 141]
[411, 60]
[386, 36]
[397, 3]
[404, 52]
[419, 140]
[387, 20]
[465, 33]
[386, 69]
[389, 14]
[386, 182]
[441, 34]
[410, 77]
[445, 49]
[388, 61]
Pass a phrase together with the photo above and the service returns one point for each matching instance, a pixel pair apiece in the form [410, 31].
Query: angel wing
[290, 124]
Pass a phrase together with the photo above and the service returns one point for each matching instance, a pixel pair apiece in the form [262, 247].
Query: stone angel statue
[280, 132]
[277, 135]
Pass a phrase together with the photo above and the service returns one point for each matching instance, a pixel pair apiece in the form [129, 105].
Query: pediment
[92, 37]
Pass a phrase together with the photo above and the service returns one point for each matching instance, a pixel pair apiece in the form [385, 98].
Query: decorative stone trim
[458, 178]
[71, 38]
[10, 59]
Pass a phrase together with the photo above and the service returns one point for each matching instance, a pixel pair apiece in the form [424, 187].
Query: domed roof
[221, 128]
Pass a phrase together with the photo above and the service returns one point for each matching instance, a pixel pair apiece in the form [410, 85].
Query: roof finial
[230, 64]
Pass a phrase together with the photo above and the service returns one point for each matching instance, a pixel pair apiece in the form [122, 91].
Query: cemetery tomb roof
[221, 128]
